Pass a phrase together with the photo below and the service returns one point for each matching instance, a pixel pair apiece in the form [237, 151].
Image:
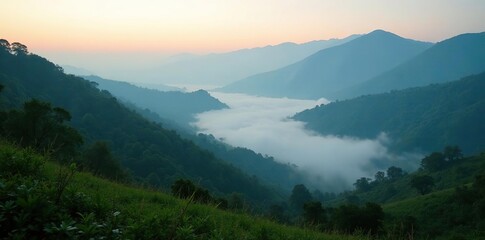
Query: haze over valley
[242, 120]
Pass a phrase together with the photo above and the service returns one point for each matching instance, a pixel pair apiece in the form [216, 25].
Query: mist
[262, 124]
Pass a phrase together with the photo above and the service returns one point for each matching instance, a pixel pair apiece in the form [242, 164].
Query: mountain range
[334, 68]
[447, 60]
[219, 69]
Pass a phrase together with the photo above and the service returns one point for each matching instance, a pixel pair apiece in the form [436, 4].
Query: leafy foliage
[422, 183]
[40, 126]
[143, 147]
[94, 208]
[422, 119]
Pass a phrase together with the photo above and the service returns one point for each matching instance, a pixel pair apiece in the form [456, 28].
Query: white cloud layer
[262, 124]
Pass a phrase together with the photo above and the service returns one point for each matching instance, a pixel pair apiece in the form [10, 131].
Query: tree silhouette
[313, 213]
[394, 173]
[42, 127]
[299, 196]
[99, 160]
[452, 153]
[433, 162]
[423, 183]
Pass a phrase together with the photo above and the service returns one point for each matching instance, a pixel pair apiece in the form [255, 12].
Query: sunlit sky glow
[221, 25]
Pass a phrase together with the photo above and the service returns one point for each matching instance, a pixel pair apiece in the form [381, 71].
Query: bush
[23, 162]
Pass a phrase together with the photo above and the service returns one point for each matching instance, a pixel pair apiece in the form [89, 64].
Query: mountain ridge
[333, 68]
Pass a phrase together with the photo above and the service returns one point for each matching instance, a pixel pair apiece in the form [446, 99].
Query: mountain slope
[95, 208]
[448, 60]
[224, 68]
[424, 118]
[176, 106]
[332, 69]
[147, 149]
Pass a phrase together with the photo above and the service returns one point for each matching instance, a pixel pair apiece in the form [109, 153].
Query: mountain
[176, 106]
[422, 118]
[76, 70]
[332, 69]
[223, 68]
[448, 60]
[150, 152]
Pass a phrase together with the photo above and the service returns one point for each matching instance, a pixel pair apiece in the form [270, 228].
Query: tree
[452, 153]
[4, 46]
[394, 173]
[362, 184]
[99, 160]
[350, 218]
[19, 49]
[433, 162]
[183, 188]
[380, 177]
[423, 183]
[42, 127]
[313, 213]
[277, 212]
[299, 196]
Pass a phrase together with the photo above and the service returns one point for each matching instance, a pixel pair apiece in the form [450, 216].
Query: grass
[124, 211]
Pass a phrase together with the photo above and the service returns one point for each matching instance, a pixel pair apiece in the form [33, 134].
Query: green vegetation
[422, 119]
[91, 207]
[148, 152]
[445, 202]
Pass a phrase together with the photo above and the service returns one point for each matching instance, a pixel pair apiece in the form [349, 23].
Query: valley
[227, 120]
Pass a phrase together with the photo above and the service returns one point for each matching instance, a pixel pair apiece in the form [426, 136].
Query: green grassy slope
[94, 207]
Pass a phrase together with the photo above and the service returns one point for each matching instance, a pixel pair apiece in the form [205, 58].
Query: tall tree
[99, 160]
[42, 127]
[452, 153]
[433, 162]
[423, 183]
[394, 173]
[314, 213]
[299, 196]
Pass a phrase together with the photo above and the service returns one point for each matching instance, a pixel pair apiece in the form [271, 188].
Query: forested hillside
[176, 106]
[422, 119]
[148, 151]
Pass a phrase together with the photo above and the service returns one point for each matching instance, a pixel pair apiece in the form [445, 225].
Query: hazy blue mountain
[176, 106]
[76, 70]
[421, 118]
[223, 68]
[334, 68]
[448, 60]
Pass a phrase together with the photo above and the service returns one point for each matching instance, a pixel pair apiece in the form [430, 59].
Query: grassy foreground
[39, 199]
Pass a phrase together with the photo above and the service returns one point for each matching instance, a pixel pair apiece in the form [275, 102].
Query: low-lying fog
[263, 125]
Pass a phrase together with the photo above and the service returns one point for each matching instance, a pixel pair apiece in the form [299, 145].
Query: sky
[203, 26]
[263, 125]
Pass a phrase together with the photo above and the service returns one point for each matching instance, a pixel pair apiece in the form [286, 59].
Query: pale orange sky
[221, 25]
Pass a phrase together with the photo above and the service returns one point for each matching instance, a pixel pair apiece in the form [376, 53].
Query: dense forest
[416, 119]
[150, 153]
